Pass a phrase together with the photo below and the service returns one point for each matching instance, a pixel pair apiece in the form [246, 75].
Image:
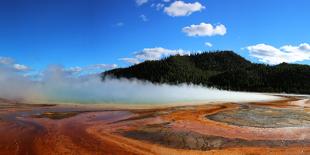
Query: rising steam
[57, 85]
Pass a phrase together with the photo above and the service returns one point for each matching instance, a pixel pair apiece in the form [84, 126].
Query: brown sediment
[18, 137]
[203, 129]
[57, 115]
[69, 136]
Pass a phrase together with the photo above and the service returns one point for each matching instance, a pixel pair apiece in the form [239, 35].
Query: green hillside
[221, 69]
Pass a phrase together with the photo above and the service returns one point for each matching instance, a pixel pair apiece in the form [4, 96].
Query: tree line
[221, 69]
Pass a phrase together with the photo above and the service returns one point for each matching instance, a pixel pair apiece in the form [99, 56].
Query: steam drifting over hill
[57, 85]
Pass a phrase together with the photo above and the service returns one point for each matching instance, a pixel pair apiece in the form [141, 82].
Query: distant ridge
[222, 69]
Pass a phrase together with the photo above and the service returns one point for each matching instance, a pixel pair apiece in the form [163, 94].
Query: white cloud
[158, 53]
[288, 53]
[180, 8]
[208, 44]
[153, 54]
[144, 18]
[205, 29]
[141, 2]
[20, 67]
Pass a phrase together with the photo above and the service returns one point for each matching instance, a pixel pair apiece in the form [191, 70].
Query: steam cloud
[58, 85]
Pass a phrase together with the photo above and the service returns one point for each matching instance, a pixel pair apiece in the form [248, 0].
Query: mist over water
[58, 85]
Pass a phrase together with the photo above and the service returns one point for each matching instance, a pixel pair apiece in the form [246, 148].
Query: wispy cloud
[130, 60]
[119, 24]
[10, 64]
[158, 6]
[208, 44]
[141, 2]
[91, 69]
[144, 18]
[287, 53]
[20, 67]
[205, 29]
[6, 60]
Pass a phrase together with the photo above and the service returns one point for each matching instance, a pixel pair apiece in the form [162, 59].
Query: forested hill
[221, 69]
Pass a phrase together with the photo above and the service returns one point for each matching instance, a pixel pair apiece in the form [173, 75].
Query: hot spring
[55, 85]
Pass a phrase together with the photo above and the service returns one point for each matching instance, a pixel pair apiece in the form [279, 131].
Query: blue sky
[100, 33]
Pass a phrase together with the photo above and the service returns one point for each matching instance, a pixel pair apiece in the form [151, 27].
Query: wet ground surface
[264, 117]
[280, 127]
